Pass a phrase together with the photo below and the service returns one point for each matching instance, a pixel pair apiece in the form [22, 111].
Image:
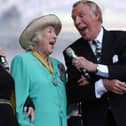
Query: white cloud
[32, 8]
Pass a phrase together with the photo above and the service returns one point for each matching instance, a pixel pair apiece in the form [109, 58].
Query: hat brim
[36, 25]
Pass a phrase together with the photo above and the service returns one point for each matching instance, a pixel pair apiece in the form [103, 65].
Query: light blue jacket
[34, 80]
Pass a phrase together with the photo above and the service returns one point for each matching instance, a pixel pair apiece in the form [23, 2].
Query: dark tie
[98, 50]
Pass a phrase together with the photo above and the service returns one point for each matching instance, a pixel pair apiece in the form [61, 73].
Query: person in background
[7, 115]
[97, 70]
[39, 75]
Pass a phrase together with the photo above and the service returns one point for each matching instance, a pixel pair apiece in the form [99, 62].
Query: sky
[114, 11]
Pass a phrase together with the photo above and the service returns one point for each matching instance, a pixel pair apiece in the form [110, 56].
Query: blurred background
[16, 14]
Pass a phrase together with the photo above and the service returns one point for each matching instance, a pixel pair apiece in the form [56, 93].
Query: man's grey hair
[93, 6]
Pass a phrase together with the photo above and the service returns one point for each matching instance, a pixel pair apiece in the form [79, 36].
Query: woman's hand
[83, 81]
[29, 109]
[29, 113]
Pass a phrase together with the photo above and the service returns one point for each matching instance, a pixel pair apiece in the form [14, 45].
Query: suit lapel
[107, 47]
[85, 50]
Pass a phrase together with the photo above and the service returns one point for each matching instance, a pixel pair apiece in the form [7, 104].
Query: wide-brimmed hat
[37, 24]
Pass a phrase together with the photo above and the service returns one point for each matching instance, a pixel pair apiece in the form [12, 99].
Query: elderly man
[97, 70]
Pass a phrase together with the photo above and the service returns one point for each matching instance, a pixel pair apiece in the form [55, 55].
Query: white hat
[36, 25]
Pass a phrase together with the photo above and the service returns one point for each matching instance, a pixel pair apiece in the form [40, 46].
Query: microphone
[70, 52]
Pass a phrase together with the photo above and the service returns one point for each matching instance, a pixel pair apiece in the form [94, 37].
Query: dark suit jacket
[94, 110]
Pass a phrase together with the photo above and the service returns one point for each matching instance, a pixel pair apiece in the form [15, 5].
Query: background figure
[7, 117]
[7, 96]
[39, 75]
[102, 54]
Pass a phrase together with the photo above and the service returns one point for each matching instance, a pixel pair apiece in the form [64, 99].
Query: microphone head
[70, 52]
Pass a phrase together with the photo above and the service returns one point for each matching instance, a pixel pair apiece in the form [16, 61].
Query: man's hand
[83, 81]
[83, 63]
[115, 86]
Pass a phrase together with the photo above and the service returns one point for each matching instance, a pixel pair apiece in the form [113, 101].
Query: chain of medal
[49, 67]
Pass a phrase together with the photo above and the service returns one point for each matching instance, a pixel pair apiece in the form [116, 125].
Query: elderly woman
[39, 75]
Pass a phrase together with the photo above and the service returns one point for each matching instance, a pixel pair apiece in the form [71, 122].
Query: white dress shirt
[102, 69]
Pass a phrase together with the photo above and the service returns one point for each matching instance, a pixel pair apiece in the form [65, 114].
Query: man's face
[86, 21]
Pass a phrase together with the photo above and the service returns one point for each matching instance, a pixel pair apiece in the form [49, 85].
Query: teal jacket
[34, 80]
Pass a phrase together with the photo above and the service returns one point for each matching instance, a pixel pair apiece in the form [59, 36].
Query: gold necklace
[48, 66]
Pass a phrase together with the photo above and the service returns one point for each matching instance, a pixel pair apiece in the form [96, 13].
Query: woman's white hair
[35, 39]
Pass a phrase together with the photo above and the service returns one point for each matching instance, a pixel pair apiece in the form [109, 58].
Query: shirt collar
[100, 36]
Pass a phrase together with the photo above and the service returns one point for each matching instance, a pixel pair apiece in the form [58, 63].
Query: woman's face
[47, 40]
